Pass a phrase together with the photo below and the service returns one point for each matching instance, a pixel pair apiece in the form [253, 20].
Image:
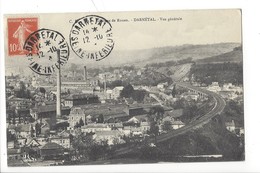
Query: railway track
[219, 105]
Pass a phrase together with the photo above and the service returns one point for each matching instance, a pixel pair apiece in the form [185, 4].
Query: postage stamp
[18, 30]
[46, 43]
[91, 37]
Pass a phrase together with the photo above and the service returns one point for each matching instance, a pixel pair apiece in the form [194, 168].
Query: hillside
[212, 139]
[143, 57]
[233, 56]
[139, 58]
[177, 72]
[192, 51]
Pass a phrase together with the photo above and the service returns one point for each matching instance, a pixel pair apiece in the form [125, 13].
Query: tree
[19, 117]
[167, 126]
[22, 92]
[38, 130]
[42, 90]
[14, 119]
[156, 113]
[81, 123]
[101, 118]
[138, 95]
[154, 129]
[77, 125]
[9, 118]
[87, 149]
[174, 91]
[10, 136]
[127, 91]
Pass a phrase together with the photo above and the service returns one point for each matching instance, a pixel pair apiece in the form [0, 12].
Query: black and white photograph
[124, 87]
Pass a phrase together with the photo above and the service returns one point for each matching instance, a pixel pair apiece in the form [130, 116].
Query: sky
[195, 27]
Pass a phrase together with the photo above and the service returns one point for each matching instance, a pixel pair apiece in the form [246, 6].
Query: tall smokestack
[105, 86]
[85, 73]
[73, 74]
[58, 103]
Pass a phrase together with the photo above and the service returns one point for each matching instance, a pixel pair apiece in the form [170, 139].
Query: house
[190, 96]
[75, 116]
[139, 73]
[145, 126]
[25, 130]
[227, 86]
[95, 127]
[168, 118]
[177, 124]
[136, 131]
[63, 139]
[160, 86]
[33, 143]
[41, 140]
[231, 126]
[10, 144]
[51, 150]
[133, 120]
[116, 126]
[214, 87]
[116, 92]
[109, 94]
[48, 113]
[21, 142]
[228, 94]
[19, 102]
[80, 99]
[175, 113]
[134, 111]
[88, 119]
[131, 130]
[14, 154]
[113, 137]
[74, 84]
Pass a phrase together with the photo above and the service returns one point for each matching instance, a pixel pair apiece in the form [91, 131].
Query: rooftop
[79, 96]
[119, 88]
[175, 113]
[177, 123]
[232, 123]
[48, 108]
[11, 151]
[108, 133]
[51, 146]
[21, 127]
[99, 125]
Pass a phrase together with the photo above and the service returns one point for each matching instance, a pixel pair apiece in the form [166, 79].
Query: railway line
[219, 105]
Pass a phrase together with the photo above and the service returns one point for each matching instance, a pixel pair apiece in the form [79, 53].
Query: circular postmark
[46, 50]
[91, 37]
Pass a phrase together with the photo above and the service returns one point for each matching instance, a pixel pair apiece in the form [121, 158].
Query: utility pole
[58, 101]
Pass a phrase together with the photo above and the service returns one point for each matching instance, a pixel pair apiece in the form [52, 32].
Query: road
[219, 106]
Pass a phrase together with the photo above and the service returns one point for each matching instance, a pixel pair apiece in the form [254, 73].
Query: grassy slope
[233, 56]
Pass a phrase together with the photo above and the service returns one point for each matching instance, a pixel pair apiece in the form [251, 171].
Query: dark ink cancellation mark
[45, 43]
[91, 37]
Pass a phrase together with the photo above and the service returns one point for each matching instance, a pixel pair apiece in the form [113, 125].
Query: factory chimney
[105, 86]
[58, 95]
[85, 73]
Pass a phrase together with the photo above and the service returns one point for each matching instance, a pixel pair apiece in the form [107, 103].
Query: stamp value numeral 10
[14, 47]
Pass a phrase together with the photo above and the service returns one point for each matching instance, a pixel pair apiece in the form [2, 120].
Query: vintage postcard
[124, 87]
